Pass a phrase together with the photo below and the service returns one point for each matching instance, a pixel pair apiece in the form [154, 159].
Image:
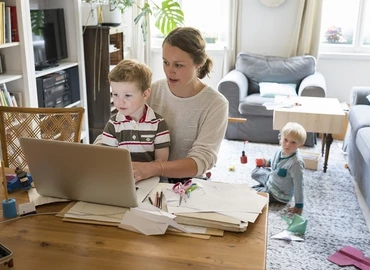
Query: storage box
[311, 159]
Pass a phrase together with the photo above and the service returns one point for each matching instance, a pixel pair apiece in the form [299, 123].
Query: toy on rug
[244, 158]
[350, 256]
[232, 168]
[260, 162]
[297, 226]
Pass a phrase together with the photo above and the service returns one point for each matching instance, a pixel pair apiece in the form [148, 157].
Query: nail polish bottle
[243, 158]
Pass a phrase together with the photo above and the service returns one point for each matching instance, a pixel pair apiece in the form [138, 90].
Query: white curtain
[306, 35]
[230, 49]
[140, 50]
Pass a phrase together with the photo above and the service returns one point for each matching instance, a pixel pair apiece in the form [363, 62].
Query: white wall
[342, 73]
[267, 31]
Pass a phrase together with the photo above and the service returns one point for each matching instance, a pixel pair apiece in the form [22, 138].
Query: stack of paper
[213, 207]
[217, 205]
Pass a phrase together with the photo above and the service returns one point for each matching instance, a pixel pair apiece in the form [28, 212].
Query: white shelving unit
[20, 75]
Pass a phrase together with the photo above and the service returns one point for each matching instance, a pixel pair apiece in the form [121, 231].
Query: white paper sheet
[288, 236]
[38, 199]
[217, 197]
[149, 220]
[98, 212]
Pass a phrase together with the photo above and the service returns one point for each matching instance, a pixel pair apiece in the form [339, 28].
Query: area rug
[331, 207]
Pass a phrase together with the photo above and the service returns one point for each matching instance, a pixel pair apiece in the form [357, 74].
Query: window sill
[345, 56]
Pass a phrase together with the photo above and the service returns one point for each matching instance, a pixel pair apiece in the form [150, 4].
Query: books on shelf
[2, 22]
[8, 24]
[8, 30]
[14, 23]
[7, 98]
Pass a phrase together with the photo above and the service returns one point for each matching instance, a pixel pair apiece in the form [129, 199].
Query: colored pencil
[156, 199]
[150, 200]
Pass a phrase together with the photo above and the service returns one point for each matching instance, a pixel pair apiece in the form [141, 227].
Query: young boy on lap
[136, 126]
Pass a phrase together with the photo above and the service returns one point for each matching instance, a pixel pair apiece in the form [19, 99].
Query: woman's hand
[144, 170]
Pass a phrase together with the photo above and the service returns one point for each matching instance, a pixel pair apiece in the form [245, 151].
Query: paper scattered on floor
[288, 236]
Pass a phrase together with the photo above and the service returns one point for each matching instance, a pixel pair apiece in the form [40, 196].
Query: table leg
[328, 142]
[323, 144]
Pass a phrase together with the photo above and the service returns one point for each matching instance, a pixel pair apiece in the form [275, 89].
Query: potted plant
[167, 16]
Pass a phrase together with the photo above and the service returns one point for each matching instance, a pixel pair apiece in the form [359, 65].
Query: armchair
[241, 87]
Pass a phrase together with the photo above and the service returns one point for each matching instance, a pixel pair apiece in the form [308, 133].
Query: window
[345, 26]
[211, 17]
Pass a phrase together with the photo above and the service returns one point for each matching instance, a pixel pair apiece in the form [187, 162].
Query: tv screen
[49, 37]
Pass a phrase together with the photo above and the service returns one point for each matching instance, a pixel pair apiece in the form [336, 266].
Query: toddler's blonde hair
[294, 130]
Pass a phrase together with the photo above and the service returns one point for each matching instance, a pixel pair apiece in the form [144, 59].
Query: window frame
[357, 47]
[156, 42]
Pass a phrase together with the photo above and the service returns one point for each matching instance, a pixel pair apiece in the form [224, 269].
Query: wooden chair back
[63, 124]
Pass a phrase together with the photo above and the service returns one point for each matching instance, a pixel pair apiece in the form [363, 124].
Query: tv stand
[46, 66]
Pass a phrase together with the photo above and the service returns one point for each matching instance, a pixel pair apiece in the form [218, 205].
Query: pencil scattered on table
[150, 200]
[160, 200]
[156, 199]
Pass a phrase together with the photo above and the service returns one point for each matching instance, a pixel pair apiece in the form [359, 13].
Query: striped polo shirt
[140, 138]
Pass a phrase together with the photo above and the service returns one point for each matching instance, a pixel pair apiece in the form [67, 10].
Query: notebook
[84, 172]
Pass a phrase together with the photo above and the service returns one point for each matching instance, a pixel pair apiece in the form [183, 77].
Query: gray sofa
[358, 139]
[242, 89]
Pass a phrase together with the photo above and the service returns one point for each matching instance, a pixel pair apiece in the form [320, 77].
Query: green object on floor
[297, 225]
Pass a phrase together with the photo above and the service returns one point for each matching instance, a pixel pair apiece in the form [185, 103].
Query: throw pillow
[268, 89]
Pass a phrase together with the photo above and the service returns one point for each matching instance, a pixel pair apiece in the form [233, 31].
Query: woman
[195, 113]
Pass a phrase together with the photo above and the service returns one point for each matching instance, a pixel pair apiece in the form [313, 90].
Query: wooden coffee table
[321, 115]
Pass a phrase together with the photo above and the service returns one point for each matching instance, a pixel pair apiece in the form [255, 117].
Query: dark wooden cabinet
[97, 65]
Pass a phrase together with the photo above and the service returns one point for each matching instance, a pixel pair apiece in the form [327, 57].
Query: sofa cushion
[260, 68]
[358, 117]
[253, 105]
[363, 143]
[269, 89]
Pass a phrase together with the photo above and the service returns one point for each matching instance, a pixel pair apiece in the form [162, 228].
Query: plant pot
[111, 15]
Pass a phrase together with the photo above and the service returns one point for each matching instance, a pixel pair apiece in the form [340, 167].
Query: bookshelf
[20, 75]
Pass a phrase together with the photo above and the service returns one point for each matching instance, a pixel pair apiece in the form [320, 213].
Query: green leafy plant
[37, 19]
[167, 16]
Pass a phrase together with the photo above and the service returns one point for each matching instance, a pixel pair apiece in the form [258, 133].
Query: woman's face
[179, 68]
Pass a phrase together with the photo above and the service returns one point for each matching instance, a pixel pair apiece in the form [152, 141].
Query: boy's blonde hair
[129, 70]
[294, 130]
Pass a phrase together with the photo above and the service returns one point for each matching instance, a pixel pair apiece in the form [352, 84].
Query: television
[49, 37]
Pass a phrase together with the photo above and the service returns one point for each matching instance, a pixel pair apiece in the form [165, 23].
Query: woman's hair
[294, 130]
[190, 40]
[131, 71]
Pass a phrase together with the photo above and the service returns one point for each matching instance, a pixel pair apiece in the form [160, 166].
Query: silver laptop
[84, 172]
